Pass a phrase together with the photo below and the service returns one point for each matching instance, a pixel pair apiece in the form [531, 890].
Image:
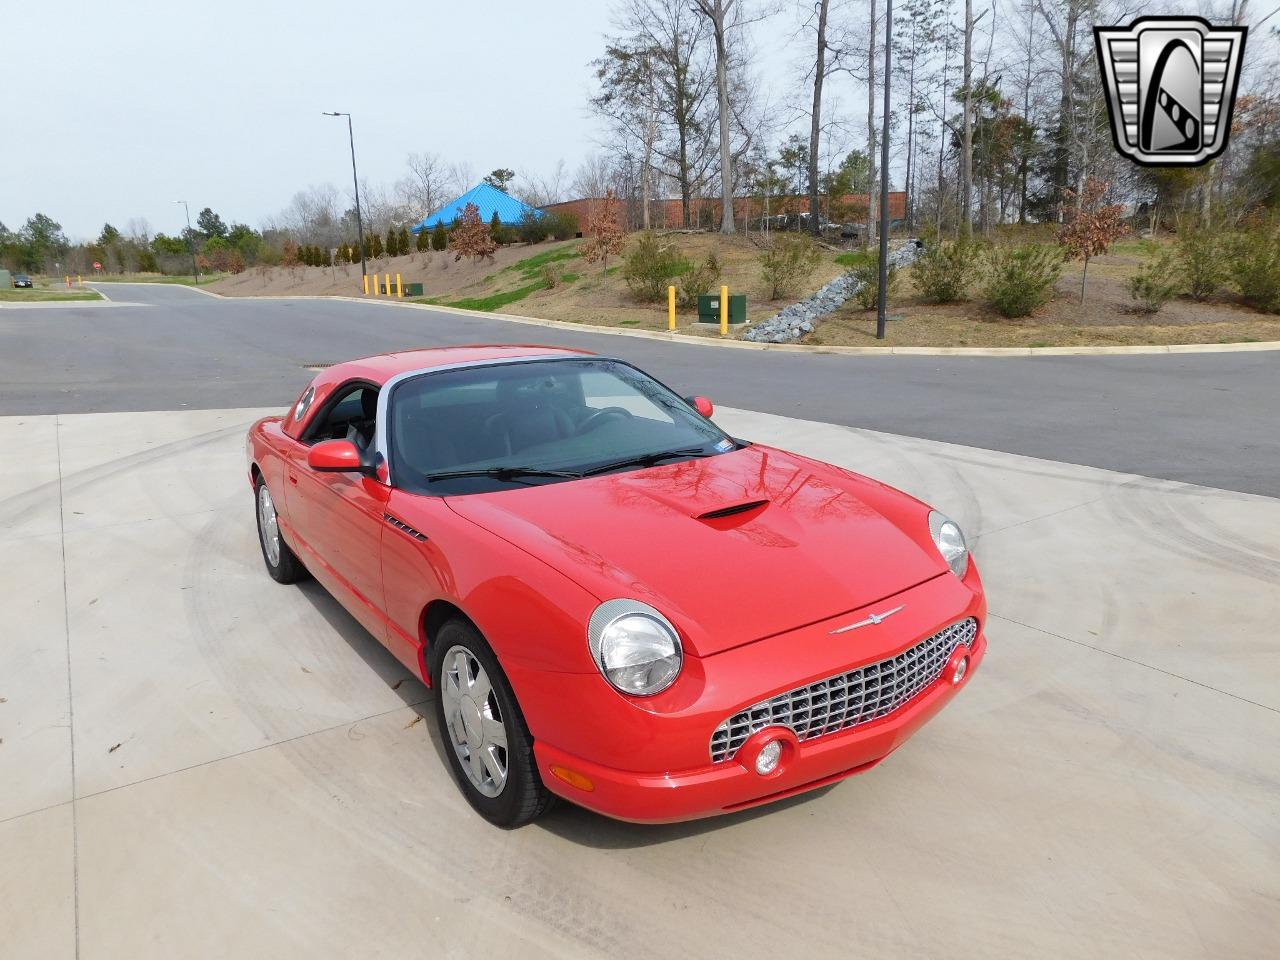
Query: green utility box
[388, 289]
[709, 308]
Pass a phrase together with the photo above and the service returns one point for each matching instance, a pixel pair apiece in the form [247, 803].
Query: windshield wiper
[649, 459]
[503, 473]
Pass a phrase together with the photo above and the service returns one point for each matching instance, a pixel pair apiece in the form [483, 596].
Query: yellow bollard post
[68, 281]
[366, 284]
[375, 285]
[724, 311]
[79, 279]
[671, 308]
[399, 289]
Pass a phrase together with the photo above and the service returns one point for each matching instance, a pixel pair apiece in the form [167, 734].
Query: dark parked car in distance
[22, 280]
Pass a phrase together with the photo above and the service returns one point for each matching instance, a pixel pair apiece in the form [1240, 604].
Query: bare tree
[655, 82]
[459, 177]
[718, 13]
[542, 191]
[872, 153]
[424, 189]
[138, 230]
[821, 9]
[966, 143]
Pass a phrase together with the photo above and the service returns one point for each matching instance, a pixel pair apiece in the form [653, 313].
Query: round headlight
[635, 647]
[949, 539]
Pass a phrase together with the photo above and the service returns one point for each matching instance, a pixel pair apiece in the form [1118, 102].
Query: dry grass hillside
[1107, 317]
[553, 281]
[598, 294]
[439, 274]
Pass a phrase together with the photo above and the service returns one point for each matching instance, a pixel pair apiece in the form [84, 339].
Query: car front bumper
[733, 784]
[682, 782]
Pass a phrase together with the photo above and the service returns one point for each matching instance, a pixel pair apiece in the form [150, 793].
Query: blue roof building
[489, 200]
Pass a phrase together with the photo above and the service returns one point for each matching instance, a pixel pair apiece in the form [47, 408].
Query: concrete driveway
[197, 762]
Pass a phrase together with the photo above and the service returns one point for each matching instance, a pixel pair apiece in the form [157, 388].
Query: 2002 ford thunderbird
[617, 602]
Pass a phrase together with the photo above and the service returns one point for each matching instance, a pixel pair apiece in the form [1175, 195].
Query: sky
[116, 109]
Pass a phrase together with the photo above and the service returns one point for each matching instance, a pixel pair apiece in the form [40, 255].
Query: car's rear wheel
[283, 565]
[488, 746]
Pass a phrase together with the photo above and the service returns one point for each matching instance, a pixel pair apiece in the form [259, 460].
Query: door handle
[293, 478]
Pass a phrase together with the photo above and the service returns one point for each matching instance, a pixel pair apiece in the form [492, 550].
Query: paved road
[1203, 418]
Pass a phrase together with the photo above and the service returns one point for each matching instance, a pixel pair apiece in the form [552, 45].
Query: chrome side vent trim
[404, 527]
[732, 511]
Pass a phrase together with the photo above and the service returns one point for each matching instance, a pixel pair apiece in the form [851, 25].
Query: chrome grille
[847, 699]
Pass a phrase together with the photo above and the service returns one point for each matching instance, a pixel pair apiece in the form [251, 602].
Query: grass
[493, 301]
[45, 294]
[530, 269]
[855, 258]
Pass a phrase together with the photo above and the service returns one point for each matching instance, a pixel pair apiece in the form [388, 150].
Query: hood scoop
[721, 513]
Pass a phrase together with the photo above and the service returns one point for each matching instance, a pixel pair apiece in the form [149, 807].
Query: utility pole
[355, 185]
[195, 270]
[883, 293]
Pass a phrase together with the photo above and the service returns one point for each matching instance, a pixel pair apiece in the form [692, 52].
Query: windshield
[544, 421]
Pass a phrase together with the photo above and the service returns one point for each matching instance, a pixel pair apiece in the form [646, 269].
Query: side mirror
[702, 405]
[338, 456]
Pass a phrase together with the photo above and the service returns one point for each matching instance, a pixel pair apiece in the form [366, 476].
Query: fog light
[768, 757]
[961, 668]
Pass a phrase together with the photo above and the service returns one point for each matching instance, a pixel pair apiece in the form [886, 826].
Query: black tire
[286, 568]
[522, 797]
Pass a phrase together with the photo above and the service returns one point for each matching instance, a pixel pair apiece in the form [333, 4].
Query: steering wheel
[600, 416]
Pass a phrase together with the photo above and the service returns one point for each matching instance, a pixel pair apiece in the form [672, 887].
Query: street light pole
[195, 270]
[355, 184]
[883, 292]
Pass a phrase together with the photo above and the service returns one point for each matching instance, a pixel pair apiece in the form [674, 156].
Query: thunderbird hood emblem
[872, 620]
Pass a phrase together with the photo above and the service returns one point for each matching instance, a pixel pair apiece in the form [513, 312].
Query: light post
[883, 280]
[355, 185]
[195, 271]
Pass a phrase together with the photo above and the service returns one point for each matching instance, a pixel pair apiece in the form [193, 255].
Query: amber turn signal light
[573, 778]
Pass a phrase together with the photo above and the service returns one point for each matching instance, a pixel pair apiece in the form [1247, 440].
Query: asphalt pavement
[1209, 419]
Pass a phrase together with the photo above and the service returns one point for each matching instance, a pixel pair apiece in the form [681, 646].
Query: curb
[1081, 351]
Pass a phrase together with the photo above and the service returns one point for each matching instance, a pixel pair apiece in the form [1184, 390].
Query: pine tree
[375, 247]
[402, 241]
[439, 237]
[423, 243]
[495, 229]
[392, 242]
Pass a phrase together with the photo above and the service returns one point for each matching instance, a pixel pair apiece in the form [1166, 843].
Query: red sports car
[616, 602]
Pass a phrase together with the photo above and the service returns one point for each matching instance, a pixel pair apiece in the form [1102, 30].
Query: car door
[338, 517]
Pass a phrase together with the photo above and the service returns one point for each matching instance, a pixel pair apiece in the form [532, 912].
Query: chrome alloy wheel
[268, 526]
[474, 718]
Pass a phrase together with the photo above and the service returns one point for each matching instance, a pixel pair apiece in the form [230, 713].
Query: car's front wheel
[282, 563]
[487, 744]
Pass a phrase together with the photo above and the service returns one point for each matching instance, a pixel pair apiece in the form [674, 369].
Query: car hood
[732, 548]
